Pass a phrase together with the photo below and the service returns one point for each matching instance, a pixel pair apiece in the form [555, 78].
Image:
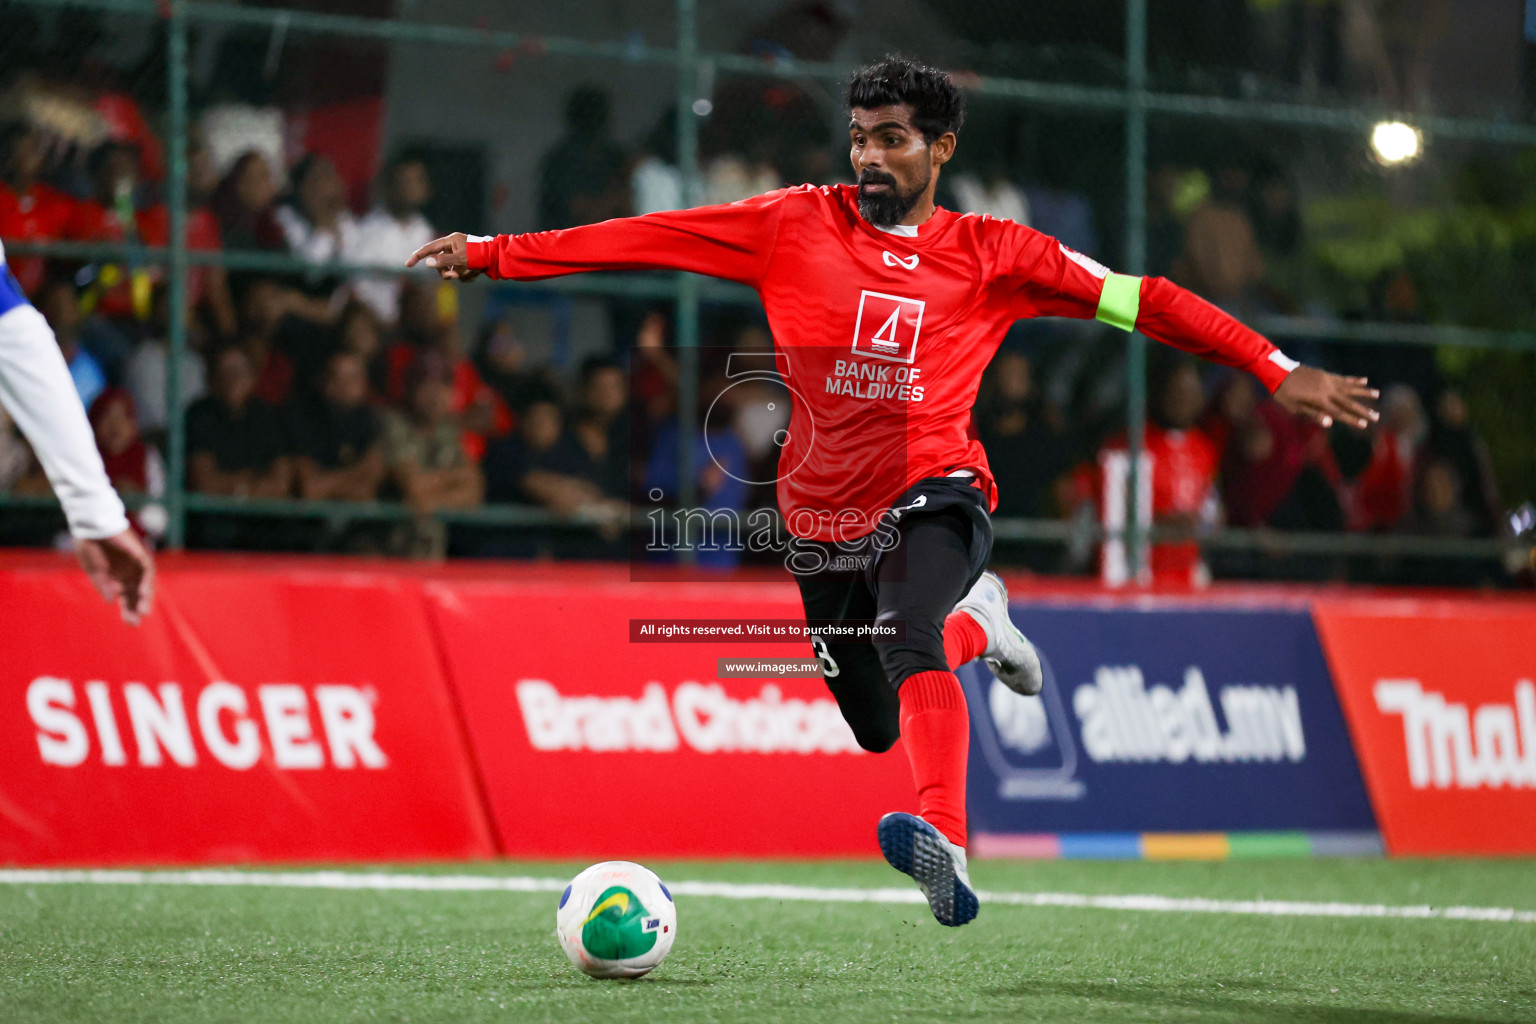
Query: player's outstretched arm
[731, 240]
[1056, 281]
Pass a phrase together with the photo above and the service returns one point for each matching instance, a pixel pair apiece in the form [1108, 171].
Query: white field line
[750, 891]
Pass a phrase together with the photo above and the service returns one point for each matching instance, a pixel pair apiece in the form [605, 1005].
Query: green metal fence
[1138, 107]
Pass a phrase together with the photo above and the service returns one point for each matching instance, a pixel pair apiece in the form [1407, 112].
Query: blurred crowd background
[313, 156]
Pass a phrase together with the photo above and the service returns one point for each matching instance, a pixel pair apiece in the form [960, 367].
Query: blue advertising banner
[1164, 720]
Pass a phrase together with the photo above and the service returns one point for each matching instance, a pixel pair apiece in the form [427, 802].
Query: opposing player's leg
[934, 563]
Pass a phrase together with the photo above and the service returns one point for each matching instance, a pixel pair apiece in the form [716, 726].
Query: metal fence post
[1135, 257]
[176, 60]
[687, 284]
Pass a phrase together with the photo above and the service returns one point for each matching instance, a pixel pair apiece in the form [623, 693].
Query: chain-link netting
[334, 402]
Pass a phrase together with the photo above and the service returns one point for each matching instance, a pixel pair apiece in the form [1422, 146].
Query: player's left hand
[449, 256]
[1324, 397]
[122, 570]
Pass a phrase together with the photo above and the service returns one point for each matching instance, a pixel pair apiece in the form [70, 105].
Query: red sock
[937, 732]
[964, 639]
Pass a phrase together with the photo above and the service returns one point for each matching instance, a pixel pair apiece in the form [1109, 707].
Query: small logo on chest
[892, 260]
[887, 326]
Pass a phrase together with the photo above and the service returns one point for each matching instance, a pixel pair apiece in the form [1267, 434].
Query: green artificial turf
[87, 953]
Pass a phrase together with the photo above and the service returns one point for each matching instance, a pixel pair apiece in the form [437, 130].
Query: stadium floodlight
[1396, 143]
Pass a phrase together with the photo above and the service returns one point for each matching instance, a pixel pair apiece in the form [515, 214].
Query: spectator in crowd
[359, 332]
[601, 430]
[480, 410]
[1232, 409]
[288, 336]
[654, 372]
[505, 365]
[145, 376]
[31, 211]
[423, 450]
[1058, 209]
[243, 204]
[582, 180]
[1173, 193]
[395, 226]
[60, 305]
[118, 294]
[1184, 464]
[1261, 461]
[1438, 508]
[235, 439]
[545, 465]
[336, 440]
[532, 447]
[1382, 493]
[207, 287]
[1025, 444]
[134, 466]
[731, 177]
[1276, 469]
[316, 224]
[991, 191]
[1276, 214]
[655, 182]
[263, 307]
[115, 176]
[722, 468]
[1221, 260]
[1452, 439]
[234, 130]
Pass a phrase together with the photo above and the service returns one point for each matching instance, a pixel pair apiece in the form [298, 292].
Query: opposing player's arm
[36, 388]
[733, 240]
[1060, 282]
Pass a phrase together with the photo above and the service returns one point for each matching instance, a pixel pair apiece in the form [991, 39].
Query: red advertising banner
[256, 715]
[590, 745]
[1440, 697]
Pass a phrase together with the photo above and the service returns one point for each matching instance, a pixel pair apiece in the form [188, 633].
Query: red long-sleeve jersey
[884, 336]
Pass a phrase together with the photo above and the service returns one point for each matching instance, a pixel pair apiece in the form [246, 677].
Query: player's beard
[888, 208]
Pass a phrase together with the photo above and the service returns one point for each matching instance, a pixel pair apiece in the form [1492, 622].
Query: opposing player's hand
[1324, 397]
[122, 570]
[448, 255]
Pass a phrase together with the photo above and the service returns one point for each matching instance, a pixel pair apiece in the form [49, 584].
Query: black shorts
[931, 548]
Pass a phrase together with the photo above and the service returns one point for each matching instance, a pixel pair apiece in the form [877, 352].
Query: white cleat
[916, 848]
[1010, 656]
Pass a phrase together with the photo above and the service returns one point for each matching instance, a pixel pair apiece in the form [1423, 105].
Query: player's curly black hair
[938, 105]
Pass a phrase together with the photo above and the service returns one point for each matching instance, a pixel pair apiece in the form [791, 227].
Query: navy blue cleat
[916, 848]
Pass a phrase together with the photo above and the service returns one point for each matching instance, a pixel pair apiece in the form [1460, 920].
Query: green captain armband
[1120, 301]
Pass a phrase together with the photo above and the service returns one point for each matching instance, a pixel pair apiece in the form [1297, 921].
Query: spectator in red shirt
[133, 466]
[480, 410]
[243, 205]
[1383, 492]
[1184, 463]
[30, 210]
[207, 287]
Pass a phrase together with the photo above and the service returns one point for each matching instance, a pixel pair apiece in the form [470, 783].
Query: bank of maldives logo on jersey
[887, 327]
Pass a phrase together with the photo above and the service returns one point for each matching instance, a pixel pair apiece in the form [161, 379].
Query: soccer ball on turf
[616, 920]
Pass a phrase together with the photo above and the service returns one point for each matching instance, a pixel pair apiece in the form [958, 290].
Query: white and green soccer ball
[616, 920]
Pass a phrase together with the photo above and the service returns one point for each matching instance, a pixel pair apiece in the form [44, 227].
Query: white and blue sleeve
[37, 390]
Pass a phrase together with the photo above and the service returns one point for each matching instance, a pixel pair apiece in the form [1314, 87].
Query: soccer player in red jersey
[885, 310]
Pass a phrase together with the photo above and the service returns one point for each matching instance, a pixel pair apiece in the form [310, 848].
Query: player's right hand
[448, 255]
[122, 570]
